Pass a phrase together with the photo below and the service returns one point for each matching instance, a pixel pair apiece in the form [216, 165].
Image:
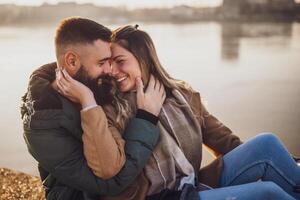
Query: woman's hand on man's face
[153, 98]
[73, 89]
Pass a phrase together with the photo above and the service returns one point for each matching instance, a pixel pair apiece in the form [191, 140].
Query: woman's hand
[74, 90]
[153, 98]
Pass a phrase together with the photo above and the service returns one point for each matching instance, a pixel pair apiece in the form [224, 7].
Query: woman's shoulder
[192, 96]
[187, 90]
[194, 100]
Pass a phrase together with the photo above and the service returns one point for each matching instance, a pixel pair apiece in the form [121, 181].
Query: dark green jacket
[53, 134]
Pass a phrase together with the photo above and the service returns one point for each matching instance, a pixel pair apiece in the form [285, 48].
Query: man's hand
[153, 98]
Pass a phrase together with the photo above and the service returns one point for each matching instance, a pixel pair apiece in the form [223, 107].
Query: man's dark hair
[77, 30]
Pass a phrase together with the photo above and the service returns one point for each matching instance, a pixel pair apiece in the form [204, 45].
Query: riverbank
[19, 186]
[51, 14]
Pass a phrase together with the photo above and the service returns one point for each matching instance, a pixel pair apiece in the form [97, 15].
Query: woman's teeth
[121, 79]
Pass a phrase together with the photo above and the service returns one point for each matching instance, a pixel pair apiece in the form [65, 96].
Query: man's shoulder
[66, 119]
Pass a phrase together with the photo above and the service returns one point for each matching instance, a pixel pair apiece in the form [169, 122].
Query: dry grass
[19, 186]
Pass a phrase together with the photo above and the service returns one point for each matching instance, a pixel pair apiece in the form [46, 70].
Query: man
[52, 129]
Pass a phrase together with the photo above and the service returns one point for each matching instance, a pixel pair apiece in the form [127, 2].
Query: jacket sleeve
[103, 145]
[218, 138]
[61, 154]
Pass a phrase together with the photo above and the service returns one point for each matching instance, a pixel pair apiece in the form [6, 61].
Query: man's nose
[107, 68]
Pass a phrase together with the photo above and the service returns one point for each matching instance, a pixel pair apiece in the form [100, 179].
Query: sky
[127, 3]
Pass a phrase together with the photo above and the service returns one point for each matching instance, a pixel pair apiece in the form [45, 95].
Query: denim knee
[267, 139]
[268, 189]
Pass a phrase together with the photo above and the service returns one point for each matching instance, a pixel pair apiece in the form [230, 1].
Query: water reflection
[233, 33]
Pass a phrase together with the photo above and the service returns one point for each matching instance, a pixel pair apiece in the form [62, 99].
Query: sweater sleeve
[103, 145]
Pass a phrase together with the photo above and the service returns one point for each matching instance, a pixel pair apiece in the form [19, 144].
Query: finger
[164, 96]
[60, 87]
[64, 85]
[67, 75]
[61, 92]
[63, 80]
[151, 83]
[140, 92]
[157, 84]
[57, 73]
[139, 86]
[162, 90]
[162, 87]
[58, 90]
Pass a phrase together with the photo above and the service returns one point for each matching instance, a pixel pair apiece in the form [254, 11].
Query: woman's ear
[72, 62]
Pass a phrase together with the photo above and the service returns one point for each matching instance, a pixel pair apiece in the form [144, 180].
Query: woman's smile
[119, 80]
[122, 82]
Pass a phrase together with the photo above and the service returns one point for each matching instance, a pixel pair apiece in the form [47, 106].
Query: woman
[185, 125]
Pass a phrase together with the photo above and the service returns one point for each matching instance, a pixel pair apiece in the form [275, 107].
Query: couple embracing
[107, 121]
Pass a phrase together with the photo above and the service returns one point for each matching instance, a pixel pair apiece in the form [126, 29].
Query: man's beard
[83, 77]
[102, 86]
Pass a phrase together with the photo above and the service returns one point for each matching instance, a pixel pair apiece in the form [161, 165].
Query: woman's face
[125, 68]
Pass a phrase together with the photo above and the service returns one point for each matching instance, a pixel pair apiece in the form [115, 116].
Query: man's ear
[72, 62]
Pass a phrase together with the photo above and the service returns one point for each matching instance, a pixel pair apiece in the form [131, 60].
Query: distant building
[182, 10]
[248, 7]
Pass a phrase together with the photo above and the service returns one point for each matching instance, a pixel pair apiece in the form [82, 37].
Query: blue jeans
[262, 158]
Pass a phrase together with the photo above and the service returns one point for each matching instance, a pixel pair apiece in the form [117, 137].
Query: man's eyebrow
[104, 59]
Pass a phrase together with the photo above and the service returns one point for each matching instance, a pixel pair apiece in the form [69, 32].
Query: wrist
[143, 114]
[150, 111]
[88, 101]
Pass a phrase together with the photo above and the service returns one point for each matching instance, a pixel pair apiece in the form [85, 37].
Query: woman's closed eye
[120, 62]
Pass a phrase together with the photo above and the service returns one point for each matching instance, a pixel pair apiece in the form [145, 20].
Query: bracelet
[89, 107]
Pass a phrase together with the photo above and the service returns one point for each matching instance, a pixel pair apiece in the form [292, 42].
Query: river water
[248, 74]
